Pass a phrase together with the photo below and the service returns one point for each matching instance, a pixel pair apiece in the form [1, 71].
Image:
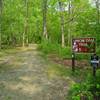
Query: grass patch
[5, 52]
[79, 75]
[5, 65]
[71, 78]
[57, 70]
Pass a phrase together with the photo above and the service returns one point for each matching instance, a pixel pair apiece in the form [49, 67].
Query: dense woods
[58, 21]
[53, 24]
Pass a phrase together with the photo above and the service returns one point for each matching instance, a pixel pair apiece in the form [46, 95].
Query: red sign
[84, 45]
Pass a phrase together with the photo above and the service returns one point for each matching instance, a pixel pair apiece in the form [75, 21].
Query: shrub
[50, 48]
[89, 88]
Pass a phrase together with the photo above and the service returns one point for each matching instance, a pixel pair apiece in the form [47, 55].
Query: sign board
[94, 61]
[84, 45]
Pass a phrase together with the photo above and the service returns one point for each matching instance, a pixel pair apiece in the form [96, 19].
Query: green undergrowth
[65, 53]
[64, 71]
[51, 48]
[90, 88]
[74, 80]
[81, 82]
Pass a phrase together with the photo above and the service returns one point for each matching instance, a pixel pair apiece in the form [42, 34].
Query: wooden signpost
[82, 45]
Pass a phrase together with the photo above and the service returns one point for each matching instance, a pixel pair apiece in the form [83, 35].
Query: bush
[50, 48]
[89, 89]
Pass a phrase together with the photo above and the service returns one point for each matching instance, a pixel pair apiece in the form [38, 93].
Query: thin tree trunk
[25, 24]
[69, 24]
[0, 22]
[45, 34]
[27, 40]
[97, 3]
[62, 23]
[23, 39]
[98, 12]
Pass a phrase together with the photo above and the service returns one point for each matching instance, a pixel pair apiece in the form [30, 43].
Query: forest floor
[26, 75]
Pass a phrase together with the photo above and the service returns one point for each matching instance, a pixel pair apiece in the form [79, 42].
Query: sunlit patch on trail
[23, 88]
[25, 78]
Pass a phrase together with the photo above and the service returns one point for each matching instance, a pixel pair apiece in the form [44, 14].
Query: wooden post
[94, 63]
[94, 71]
[73, 61]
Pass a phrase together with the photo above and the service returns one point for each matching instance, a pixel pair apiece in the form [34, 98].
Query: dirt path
[28, 79]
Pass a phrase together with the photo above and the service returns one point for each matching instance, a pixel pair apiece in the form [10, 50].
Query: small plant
[89, 89]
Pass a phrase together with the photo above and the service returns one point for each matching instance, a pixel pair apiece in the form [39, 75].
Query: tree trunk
[45, 34]
[25, 24]
[98, 12]
[62, 23]
[69, 24]
[27, 40]
[97, 3]
[23, 39]
[83, 98]
[0, 22]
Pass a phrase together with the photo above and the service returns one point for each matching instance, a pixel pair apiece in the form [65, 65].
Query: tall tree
[69, 24]
[0, 21]
[62, 22]
[97, 2]
[72, 15]
[45, 34]
[25, 33]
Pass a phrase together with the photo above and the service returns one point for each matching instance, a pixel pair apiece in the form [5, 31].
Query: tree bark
[25, 24]
[98, 12]
[69, 24]
[62, 23]
[97, 4]
[45, 34]
[0, 22]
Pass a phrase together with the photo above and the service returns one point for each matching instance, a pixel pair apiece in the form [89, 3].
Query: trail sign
[84, 45]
